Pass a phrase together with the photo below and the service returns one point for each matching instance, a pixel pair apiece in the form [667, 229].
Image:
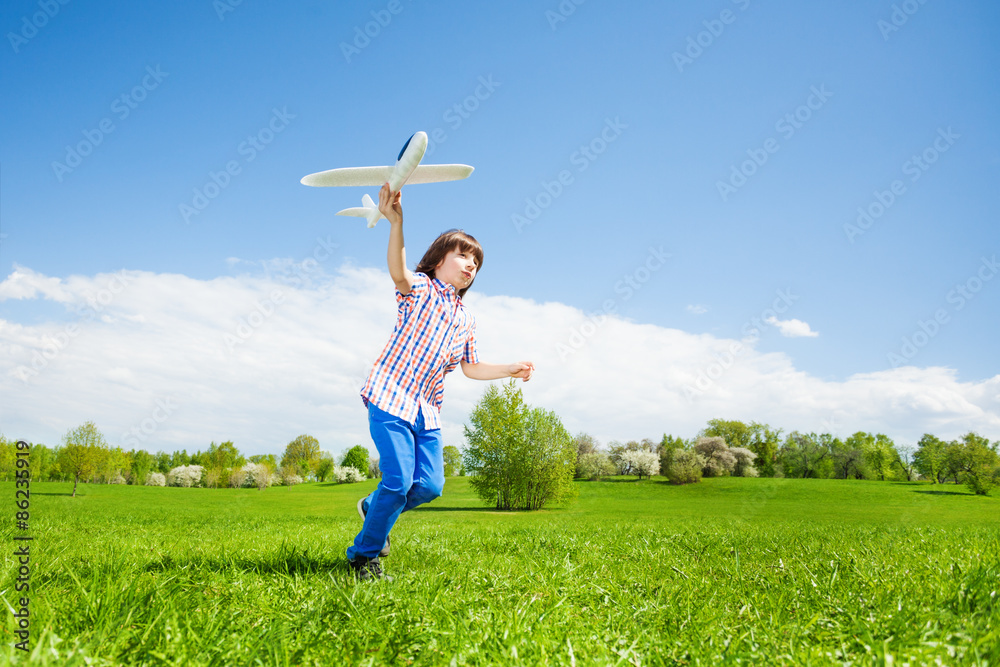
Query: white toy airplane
[406, 170]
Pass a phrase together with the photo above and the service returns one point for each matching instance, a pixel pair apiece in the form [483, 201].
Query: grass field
[728, 571]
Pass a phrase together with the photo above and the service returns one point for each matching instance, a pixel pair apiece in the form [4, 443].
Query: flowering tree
[237, 478]
[257, 475]
[744, 462]
[156, 479]
[347, 475]
[642, 463]
[594, 465]
[719, 461]
[186, 476]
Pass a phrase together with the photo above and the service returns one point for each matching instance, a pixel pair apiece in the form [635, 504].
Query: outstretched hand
[390, 204]
[521, 369]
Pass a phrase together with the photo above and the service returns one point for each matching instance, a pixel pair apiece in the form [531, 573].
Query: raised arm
[482, 371]
[390, 204]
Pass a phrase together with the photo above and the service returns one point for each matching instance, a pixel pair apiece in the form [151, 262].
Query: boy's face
[458, 268]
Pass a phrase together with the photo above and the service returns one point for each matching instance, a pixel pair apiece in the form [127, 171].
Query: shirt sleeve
[471, 355]
[405, 303]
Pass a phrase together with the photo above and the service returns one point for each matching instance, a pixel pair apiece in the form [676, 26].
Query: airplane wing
[376, 176]
[436, 173]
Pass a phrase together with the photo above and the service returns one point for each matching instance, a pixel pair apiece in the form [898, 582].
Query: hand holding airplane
[406, 170]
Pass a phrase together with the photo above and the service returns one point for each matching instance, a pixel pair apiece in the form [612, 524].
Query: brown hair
[453, 239]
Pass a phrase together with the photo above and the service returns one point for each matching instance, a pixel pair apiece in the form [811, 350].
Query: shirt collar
[444, 287]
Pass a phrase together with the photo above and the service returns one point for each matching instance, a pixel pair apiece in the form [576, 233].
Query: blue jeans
[412, 463]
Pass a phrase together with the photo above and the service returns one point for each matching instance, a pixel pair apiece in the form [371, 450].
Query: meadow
[727, 571]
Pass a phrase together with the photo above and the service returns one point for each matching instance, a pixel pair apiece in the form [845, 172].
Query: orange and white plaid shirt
[433, 333]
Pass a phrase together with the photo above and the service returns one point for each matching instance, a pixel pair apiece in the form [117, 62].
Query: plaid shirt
[434, 332]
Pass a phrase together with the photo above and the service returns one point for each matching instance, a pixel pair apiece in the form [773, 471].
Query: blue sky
[518, 90]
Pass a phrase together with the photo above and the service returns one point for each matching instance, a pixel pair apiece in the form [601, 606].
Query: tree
[952, 465]
[142, 465]
[595, 465]
[452, 461]
[643, 463]
[617, 453]
[667, 448]
[686, 468]
[802, 454]
[42, 462]
[765, 443]
[161, 463]
[259, 473]
[179, 460]
[302, 455]
[719, 461]
[585, 444]
[518, 457]
[357, 458]
[270, 459]
[880, 455]
[112, 464]
[8, 454]
[978, 461]
[929, 459]
[80, 451]
[225, 456]
[744, 462]
[760, 439]
[848, 462]
[905, 461]
[186, 476]
[734, 433]
[325, 466]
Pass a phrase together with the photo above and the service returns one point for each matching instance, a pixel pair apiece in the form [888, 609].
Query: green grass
[728, 571]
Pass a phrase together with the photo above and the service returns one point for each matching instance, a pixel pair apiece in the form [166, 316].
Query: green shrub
[517, 457]
[686, 467]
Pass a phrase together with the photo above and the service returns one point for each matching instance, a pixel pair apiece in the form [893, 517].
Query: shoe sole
[361, 513]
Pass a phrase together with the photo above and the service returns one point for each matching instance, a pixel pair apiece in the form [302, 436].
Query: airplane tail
[368, 210]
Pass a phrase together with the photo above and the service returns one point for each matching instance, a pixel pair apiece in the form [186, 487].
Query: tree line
[84, 455]
[732, 447]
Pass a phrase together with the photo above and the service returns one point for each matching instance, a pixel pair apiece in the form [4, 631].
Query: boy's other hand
[521, 369]
[390, 204]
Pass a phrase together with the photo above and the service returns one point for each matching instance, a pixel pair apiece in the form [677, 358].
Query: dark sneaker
[362, 512]
[368, 569]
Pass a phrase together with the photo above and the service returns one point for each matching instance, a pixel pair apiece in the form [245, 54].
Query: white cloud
[164, 361]
[697, 309]
[792, 328]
